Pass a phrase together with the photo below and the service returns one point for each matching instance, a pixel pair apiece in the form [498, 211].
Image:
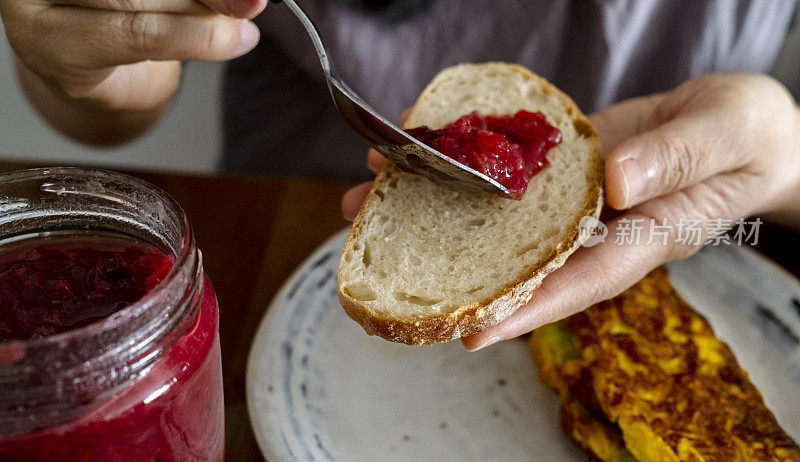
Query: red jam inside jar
[173, 411]
[109, 343]
[508, 149]
[49, 286]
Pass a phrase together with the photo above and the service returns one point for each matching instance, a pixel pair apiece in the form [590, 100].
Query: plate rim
[262, 440]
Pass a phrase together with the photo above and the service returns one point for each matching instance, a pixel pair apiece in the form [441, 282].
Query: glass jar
[144, 383]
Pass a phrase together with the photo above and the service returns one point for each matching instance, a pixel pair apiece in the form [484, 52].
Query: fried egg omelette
[643, 377]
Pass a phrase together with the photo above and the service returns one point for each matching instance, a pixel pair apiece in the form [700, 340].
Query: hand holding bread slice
[425, 263]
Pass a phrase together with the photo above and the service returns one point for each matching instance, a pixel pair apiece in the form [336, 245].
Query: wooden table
[253, 232]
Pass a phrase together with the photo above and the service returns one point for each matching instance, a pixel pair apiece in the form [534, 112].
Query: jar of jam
[109, 345]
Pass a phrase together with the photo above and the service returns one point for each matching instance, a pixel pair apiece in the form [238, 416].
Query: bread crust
[469, 319]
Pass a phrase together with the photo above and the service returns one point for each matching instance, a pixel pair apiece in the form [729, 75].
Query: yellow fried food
[645, 366]
[557, 354]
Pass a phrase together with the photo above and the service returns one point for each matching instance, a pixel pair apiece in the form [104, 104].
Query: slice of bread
[425, 263]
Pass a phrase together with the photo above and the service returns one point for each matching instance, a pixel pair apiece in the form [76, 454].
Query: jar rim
[182, 257]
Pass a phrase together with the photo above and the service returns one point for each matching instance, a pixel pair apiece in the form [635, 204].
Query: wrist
[88, 120]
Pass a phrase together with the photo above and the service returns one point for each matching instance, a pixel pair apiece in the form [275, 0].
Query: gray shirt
[279, 120]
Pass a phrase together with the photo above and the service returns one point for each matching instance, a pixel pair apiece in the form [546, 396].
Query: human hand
[123, 55]
[722, 146]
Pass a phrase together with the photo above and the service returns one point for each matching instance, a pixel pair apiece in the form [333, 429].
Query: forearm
[83, 122]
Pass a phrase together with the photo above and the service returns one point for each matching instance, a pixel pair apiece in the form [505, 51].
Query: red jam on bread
[508, 149]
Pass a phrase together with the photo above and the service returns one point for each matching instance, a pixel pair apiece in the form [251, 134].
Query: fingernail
[249, 38]
[487, 342]
[634, 178]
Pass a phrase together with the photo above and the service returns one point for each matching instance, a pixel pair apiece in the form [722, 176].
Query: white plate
[319, 388]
